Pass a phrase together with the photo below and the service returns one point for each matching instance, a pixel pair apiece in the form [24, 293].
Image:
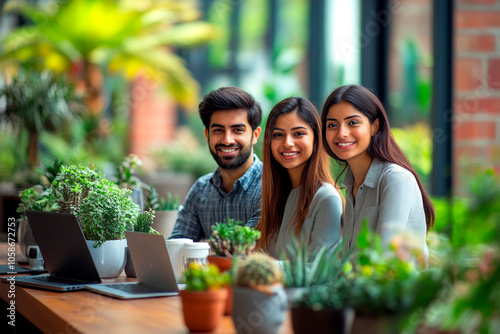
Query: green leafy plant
[199, 277]
[379, 280]
[472, 302]
[36, 198]
[107, 212]
[9, 155]
[72, 185]
[385, 281]
[38, 102]
[128, 38]
[144, 222]
[157, 203]
[301, 269]
[50, 171]
[125, 177]
[232, 238]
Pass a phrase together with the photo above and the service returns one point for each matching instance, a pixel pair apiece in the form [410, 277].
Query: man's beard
[233, 162]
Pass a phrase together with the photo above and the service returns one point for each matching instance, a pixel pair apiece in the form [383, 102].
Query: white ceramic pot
[164, 221]
[109, 258]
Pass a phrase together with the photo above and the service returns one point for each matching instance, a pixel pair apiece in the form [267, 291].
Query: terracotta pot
[229, 301]
[306, 320]
[223, 263]
[203, 310]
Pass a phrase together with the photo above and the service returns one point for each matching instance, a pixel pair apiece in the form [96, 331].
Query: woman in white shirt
[381, 184]
[298, 194]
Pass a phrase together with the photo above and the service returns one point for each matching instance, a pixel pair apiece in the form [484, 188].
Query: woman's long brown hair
[276, 184]
[382, 146]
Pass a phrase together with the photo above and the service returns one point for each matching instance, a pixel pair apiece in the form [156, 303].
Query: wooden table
[87, 312]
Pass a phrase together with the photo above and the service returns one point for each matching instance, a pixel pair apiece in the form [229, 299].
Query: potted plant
[322, 309]
[105, 214]
[301, 269]
[314, 289]
[231, 238]
[34, 198]
[204, 298]
[40, 198]
[228, 240]
[166, 209]
[104, 210]
[386, 285]
[142, 224]
[259, 299]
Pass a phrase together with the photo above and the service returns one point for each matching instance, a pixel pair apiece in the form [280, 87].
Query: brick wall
[476, 122]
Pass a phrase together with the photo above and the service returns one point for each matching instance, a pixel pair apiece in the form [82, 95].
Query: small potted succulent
[314, 290]
[259, 299]
[204, 298]
[231, 238]
[303, 269]
[166, 209]
[228, 240]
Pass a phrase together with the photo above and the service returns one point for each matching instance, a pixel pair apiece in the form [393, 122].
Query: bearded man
[232, 127]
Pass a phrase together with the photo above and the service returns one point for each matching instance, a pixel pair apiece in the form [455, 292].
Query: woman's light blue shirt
[322, 224]
[391, 202]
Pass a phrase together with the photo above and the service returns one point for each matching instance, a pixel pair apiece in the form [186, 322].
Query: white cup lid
[197, 245]
[179, 241]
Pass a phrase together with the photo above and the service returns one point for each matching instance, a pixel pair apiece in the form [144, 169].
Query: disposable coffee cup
[195, 252]
[175, 250]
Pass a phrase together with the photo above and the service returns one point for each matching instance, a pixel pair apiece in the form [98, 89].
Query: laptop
[64, 250]
[153, 267]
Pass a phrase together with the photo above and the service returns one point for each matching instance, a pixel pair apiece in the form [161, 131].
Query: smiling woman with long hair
[381, 184]
[298, 194]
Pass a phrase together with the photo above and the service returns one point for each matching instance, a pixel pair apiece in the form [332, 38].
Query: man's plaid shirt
[207, 203]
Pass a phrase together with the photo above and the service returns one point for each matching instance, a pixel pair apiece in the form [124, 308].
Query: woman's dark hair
[276, 183]
[230, 98]
[382, 146]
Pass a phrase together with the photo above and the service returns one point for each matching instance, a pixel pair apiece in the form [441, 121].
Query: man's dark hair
[230, 98]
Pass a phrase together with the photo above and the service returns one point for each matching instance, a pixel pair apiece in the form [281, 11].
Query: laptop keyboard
[134, 288]
[48, 278]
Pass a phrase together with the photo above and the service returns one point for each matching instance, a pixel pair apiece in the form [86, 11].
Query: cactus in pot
[259, 298]
[259, 272]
